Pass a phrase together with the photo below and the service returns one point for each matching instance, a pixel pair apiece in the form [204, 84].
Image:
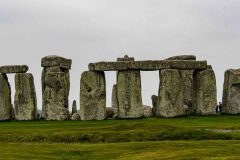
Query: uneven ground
[215, 137]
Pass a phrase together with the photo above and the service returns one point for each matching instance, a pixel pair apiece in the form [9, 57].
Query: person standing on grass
[220, 107]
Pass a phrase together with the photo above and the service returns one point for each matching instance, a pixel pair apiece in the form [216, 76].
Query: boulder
[231, 92]
[25, 101]
[74, 107]
[147, 111]
[14, 69]
[129, 94]
[205, 92]
[76, 117]
[154, 104]
[170, 102]
[110, 112]
[6, 109]
[93, 96]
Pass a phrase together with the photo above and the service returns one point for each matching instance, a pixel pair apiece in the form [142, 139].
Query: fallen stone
[205, 92]
[76, 117]
[182, 57]
[54, 60]
[14, 69]
[154, 104]
[25, 101]
[74, 107]
[126, 58]
[129, 94]
[6, 109]
[93, 96]
[147, 111]
[55, 96]
[231, 92]
[170, 103]
[149, 65]
[110, 112]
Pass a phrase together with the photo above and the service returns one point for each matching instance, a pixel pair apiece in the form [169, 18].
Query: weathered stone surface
[147, 65]
[6, 109]
[115, 100]
[74, 107]
[187, 84]
[147, 111]
[170, 103]
[205, 92]
[14, 69]
[129, 94]
[187, 79]
[55, 87]
[93, 96]
[110, 112]
[76, 117]
[154, 104]
[54, 60]
[182, 57]
[126, 58]
[55, 96]
[25, 101]
[231, 92]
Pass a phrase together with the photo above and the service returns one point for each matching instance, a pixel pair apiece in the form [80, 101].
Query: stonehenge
[25, 101]
[186, 87]
[55, 87]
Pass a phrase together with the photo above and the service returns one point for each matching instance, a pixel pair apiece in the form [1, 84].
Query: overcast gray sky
[96, 30]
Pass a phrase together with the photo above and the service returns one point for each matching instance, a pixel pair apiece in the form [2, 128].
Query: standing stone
[154, 104]
[187, 79]
[170, 102]
[74, 107]
[147, 111]
[187, 84]
[205, 92]
[231, 92]
[6, 109]
[115, 100]
[25, 101]
[55, 87]
[93, 96]
[129, 94]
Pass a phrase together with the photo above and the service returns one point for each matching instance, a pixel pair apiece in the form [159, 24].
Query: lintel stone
[148, 65]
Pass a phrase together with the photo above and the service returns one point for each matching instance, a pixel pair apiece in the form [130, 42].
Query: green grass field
[214, 137]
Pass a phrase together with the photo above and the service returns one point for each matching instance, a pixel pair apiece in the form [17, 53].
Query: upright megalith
[92, 96]
[25, 101]
[187, 79]
[154, 104]
[114, 100]
[231, 92]
[170, 101]
[74, 107]
[55, 87]
[129, 93]
[205, 92]
[6, 109]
